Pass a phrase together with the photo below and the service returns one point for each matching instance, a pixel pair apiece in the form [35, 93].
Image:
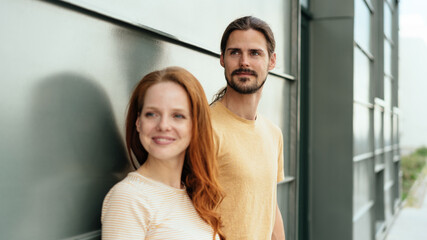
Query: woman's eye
[149, 114]
[179, 116]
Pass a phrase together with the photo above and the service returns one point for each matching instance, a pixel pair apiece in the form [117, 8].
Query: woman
[174, 192]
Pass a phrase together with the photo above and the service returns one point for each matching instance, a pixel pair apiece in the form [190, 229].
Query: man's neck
[243, 105]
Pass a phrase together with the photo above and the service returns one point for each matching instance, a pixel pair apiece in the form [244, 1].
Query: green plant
[422, 151]
[411, 166]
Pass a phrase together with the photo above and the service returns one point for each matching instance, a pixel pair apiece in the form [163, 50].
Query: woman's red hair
[199, 172]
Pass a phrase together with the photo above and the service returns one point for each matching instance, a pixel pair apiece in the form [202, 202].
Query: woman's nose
[164, 124]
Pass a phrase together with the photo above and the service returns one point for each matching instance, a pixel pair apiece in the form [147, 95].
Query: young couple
[202, 172]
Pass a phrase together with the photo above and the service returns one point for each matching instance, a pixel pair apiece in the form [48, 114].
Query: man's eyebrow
[233, 49]
[257, 49]
[252, 49]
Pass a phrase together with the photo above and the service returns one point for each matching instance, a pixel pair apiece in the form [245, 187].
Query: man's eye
[234, 52]
[255, 53]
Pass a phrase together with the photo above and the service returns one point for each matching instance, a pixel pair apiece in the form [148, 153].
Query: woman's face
[164, 124]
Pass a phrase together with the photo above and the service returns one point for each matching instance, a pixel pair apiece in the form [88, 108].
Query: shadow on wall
[139, 52]
[78, 154]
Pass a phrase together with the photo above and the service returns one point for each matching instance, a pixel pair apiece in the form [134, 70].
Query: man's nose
[244, 60]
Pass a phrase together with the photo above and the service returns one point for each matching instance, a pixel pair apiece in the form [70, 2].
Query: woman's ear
[138, 124]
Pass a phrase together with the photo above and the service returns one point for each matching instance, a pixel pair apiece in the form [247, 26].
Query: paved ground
[411, 223]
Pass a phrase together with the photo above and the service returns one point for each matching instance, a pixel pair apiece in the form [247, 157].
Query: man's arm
[278, 230]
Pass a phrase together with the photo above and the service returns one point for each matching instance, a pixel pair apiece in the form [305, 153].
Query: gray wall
[331, 120]
[67, 74]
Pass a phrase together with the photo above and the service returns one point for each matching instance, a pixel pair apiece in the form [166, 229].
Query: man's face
[246, 62]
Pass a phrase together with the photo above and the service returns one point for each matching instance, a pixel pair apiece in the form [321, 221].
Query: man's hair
[246, 23]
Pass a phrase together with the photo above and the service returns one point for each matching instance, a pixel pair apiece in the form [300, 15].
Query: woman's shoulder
[126, 190]
[136, 186]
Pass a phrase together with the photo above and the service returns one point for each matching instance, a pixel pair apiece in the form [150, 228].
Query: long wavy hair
[199, 172]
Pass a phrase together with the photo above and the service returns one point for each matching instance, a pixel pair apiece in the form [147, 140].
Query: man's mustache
[244, 70]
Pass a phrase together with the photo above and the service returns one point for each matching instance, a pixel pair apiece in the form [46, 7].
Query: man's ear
[272, 62]
[221, 59]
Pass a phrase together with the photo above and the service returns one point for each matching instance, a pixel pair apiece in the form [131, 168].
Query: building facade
[69, 66]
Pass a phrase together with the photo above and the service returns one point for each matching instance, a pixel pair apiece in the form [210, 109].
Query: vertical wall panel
[363, 228]
[363, 169]
[200, 23]
[388, 22]
[363, 179]
[362, 73]
[362, 24]
[387, 57]
[378, 128]
[332, 84]
[387, 129]
[362, 130]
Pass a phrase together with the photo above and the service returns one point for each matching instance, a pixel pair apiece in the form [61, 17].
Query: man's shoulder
[218, 115]
[215, 108]
[267, 123]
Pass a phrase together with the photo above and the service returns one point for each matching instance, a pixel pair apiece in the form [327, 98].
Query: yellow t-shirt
[250, 159]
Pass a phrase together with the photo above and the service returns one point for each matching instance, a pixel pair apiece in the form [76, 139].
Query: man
[249, 147]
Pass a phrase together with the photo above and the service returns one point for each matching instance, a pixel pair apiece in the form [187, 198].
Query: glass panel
[389, 184]
[361, 129]
[389, 166]
[388, 25]
[391, 3]
[277, 93]
[379, 159]
[304, 3]
[387, 57]
[388, 203]
[363, 191]
[396, 188]
[201, 24]
[286, 207]
[387, 129]
[395, 129]
[361, 76]
[379, 201]
[283, 23]
[378, 128]
[362, 25]
[387, 92]
[363, 228]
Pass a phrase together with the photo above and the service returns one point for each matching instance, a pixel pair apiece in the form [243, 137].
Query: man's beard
[247, 89]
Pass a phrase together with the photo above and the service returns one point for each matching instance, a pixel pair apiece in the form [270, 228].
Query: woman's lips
[163, 140]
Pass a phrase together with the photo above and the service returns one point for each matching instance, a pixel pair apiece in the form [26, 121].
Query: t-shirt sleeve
[124, 214]
[280, 173]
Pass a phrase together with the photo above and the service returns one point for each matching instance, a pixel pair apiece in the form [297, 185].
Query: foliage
[422, 151]
[411, 166]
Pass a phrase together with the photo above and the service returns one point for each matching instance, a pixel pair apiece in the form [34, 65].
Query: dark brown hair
[246, 23]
